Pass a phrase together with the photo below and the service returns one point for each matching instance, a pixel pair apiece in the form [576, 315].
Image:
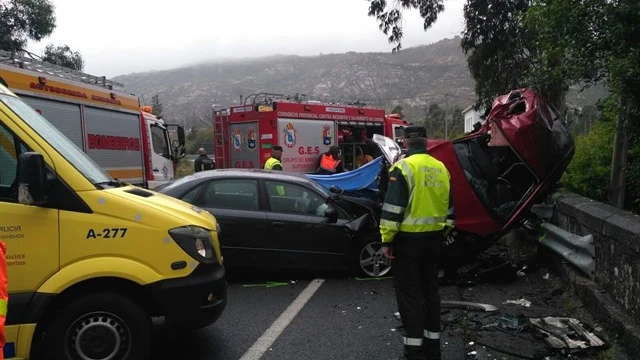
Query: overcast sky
[124, 36]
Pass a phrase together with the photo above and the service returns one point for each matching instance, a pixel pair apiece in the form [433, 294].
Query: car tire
[370, 262]
[104, 325]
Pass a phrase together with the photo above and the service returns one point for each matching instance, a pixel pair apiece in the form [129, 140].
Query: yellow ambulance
[91, 259]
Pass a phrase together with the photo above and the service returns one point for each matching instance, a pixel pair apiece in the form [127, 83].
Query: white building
[471, 117]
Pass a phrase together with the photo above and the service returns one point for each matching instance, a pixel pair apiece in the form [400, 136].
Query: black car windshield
[319, 188]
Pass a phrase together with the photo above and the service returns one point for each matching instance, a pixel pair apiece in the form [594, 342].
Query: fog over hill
[412, 78]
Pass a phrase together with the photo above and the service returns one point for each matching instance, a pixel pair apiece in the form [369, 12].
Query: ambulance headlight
[196, 242]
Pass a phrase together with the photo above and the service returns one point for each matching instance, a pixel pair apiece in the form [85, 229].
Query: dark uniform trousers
[415, 277]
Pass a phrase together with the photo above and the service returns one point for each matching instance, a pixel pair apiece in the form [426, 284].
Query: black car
[286, 221]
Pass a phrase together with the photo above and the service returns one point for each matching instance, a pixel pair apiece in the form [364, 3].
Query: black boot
[431, 349]
[413, 352]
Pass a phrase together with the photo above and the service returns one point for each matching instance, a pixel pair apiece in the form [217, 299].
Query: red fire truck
[244, 134]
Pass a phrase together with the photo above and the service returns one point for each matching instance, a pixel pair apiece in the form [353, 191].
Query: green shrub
[589, 172]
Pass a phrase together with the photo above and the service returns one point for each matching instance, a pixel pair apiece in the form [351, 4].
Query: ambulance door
[31, 235]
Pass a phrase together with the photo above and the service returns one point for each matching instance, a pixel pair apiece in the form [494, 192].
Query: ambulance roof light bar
[30, 63]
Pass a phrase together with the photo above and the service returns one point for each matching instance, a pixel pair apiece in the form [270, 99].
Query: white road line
[271, 334]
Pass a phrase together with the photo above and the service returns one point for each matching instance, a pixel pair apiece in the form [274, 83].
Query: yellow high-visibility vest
[270, 163]
[429, 185]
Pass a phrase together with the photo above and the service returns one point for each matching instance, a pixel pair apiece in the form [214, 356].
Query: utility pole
[446, 126]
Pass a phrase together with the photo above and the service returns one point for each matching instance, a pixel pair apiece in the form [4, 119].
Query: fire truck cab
[244, 134]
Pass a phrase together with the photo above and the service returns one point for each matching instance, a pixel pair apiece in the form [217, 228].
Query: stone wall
[617, 245]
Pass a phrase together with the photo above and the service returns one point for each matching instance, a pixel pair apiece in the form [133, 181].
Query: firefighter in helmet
[416, 214]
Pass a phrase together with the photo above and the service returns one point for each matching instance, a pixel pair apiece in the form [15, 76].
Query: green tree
[23, 20]
[63, 56]
[434, 121]
[549, 45]
[390, 19]
[501, 51]
[156, 105]
[591, 165]
[597, 40]
[199, 138]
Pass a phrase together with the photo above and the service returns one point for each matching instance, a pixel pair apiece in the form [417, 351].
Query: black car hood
[366, 211]
[364, 202]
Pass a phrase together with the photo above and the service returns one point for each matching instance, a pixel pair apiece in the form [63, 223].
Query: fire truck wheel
[370, 259]
[103, 325]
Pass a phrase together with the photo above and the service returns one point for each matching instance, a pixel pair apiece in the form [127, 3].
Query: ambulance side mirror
[32, 179]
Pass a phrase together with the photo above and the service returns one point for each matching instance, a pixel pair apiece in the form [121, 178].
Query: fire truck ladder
[220, 135]
[29, 63]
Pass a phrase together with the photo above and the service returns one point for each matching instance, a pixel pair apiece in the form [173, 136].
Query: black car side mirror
[331, 214]
[335, 192]
[32, 179]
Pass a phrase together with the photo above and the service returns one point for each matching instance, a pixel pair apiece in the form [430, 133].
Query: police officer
[203, 162]
[273, 163]
[415, 216]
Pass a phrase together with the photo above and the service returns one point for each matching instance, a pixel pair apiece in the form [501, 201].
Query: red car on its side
[498, 172]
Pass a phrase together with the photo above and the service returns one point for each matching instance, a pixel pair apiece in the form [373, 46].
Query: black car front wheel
[371, 260]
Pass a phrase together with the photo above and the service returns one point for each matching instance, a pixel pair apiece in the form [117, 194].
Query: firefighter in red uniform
[4, 296]
[330, 162]
[416, 214]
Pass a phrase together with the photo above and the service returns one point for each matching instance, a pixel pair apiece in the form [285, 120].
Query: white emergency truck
[100, 117]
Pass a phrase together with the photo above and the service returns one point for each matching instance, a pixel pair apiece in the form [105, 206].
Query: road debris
[468, 305]
[523, 302]
[562, 333]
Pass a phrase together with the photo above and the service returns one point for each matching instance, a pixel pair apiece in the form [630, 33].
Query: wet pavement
[353, 318]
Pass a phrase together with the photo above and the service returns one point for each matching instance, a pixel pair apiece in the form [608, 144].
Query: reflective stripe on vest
[429, 185]
[3, 307]
[329, 163]
[393, 209]
[270, 163]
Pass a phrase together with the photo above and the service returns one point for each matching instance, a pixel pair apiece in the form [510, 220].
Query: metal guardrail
[578, 250]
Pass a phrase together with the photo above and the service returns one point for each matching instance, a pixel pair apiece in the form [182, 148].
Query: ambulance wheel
[370, 260]
[100, 326]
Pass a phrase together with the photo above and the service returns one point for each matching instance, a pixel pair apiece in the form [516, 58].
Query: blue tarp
[364, 177]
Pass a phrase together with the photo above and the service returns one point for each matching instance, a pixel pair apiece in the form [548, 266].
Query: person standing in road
[273, 163]
[416, 214]
[203, 162]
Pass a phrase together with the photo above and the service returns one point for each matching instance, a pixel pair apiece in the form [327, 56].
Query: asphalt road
[288, 316]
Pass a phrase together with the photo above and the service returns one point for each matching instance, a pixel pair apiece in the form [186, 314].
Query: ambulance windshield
[57, 140]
